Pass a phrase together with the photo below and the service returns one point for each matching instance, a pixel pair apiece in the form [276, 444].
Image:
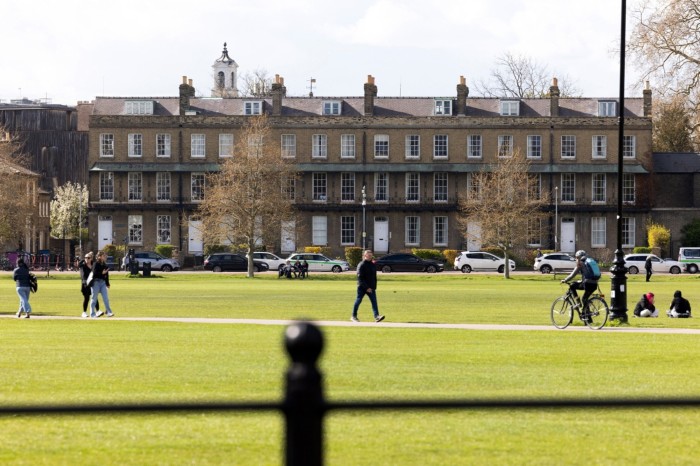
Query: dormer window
[138, 107]
[253, 107]
[331, 107]
[510, 107]
[607, 108]
[443, 107]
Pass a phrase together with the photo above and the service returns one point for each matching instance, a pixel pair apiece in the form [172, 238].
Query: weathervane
[312, 81]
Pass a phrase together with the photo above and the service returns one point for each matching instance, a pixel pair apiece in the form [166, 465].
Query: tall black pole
[618, 293]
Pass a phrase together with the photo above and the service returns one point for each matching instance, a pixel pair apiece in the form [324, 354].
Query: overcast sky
[75, 50]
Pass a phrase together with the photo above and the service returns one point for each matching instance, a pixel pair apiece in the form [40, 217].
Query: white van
[690, 258]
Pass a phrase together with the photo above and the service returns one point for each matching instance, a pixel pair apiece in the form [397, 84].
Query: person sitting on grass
[680, 307]
[645, 307]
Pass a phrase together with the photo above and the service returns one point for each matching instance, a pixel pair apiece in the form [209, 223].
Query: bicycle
[594, 317]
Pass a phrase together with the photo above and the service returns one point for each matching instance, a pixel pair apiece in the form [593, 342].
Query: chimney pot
[555, 82]
[462, 81]
[184, 80]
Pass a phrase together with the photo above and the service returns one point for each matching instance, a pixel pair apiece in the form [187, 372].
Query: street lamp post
[556, 216]
[364, 205]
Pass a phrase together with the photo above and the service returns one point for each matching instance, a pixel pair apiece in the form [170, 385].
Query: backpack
[33, 284]
[591, 269]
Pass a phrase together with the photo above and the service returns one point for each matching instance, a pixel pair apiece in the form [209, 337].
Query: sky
[76, 50]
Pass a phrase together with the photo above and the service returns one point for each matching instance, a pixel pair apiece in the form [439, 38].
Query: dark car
[226, 261]
[402, 262]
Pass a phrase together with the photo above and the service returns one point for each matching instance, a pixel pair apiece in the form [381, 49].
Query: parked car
[635, 263]
[690, 258]
[230, 262]
[157, 261]
[273, 262]
[111, 263]
[554, 261]
[319, 262]
[403, 262]
[467, 261]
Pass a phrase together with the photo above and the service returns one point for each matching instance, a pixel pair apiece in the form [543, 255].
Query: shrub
[658, 236]
[641, 250]
[450, 255]
[326, 251]
[434, 254]
[353, 255]
[165, 250]
[214, 248]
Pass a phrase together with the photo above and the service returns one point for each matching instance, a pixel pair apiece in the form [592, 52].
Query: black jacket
[21, 276]
[100, 271]
[367, 275]
[680, 305]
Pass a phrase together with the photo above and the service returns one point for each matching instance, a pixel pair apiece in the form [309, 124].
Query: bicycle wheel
[598, 313]
[562, 312]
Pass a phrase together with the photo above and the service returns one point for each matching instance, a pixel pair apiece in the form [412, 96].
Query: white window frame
[225, 145]
[106, 145]
[412, 146]
[440, 187]
[568, 146]
[568, 188]
[534, 187]
[607, 108]
[288, 143]
[412, 229]
[510, 107]
[628, 232]
[629, 189]
[198, 146]
[505, 145]
[534, 232]
[135, 186]
[198, 185]
[135, 229]
[347, 146]
[443, 107]
[163, 187]
[253, 107]
[332, 107]
[106, 186]
[163, 145]
[135, 145]
[163, 229]
[441, 143]
[440, 230]
[474, 146]
[319, 146]
[347, 187]
[599, 146]
[598, 232]
[412, 187]
[381, 187]
[319, 186]
[319, 230]
[629, 146]
[473, 186]
[138, 107]
[599, 190]
[347, 230]
[534, 146]
[381, 146]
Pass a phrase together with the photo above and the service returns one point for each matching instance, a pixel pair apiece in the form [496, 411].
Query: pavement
[385, 323]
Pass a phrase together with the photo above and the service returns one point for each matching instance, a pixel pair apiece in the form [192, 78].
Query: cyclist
[590, 273]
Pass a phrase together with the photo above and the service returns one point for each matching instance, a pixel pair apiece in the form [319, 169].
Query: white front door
[568, 235]
[104, 232]
[473, 236]
[381, 235]
[288, 243]
[196, 244]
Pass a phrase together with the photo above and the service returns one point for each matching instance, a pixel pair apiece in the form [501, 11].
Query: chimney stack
[186, 92]
[370, 94]
[647, 100]
[554, 98]
[462, 94]
[278, 91]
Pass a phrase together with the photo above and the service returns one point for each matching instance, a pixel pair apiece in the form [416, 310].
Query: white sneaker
[99, 313]
[85, 314]
[354, 319]
[110, 313]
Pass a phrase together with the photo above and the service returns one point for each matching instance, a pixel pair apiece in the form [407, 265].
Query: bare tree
[17, 184]
[507, 203]
[665, 46]
[248, 200]
[256, 84]
[672, 128]
[519, 76]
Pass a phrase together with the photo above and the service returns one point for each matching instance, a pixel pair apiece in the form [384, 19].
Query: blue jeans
[99, 287]
[361, 292]
[23, 293]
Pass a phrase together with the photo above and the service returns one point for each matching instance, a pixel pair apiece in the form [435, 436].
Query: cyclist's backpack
[591, 269]
[33, 284]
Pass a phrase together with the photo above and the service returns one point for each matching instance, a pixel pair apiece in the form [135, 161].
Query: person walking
[647, 267]
[100, 284]
[21, 277]
[366, 285]
[85, 267]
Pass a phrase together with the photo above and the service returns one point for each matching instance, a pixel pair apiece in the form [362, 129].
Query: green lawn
[58, 361]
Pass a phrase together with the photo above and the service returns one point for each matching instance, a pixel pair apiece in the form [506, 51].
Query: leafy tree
[507, 203]
[690, 234]
[665, 46]
[672, 130]
[68, 210]
[658, 236]
[519, 76]
[251, 196]
[15, 191]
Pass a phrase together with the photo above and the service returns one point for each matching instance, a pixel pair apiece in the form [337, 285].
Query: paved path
[336, 323]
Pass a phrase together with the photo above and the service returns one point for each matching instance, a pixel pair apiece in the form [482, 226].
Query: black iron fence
[304, 406]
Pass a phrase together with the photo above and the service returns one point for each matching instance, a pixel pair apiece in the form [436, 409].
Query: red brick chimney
[370, 94]
[462, 94]
[278, 91]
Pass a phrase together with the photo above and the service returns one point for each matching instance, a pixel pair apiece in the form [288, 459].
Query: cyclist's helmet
[580, 253]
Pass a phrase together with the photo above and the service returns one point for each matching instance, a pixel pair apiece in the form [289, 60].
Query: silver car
[319, 262]
[555, 261]
[467, 261]
[636, 262]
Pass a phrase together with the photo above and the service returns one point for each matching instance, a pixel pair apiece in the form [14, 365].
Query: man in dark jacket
[648, 268]
[21, 277]
[366, 285]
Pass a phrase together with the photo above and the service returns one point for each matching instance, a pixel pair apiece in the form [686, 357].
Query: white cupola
[225, 76]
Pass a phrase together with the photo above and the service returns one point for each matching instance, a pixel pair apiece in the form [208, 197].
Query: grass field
[59, 361]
